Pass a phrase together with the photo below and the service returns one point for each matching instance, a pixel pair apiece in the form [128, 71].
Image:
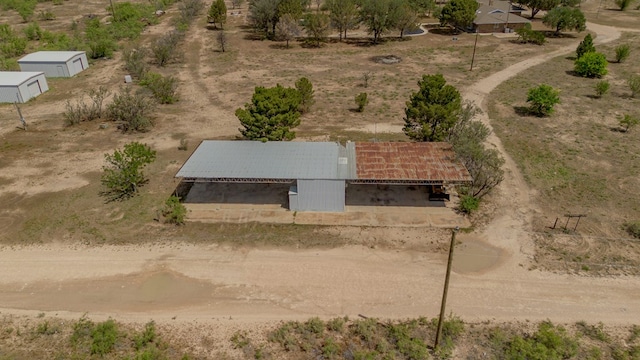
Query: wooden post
[443, 304]
[24, 123]
[473, 57]
[555, 223]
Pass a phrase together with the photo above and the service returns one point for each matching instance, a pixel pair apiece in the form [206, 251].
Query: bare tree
[223, 40]
[288, 28]
[236, 3]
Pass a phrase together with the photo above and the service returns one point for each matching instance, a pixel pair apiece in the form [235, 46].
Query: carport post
[446, 286]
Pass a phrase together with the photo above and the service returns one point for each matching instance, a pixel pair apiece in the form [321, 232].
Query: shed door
[60, 71]
[34, 88]
[77, 65]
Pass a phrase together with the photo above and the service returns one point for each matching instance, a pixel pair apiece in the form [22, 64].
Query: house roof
[490, 15]
[17, 78]
[50, 56]
[409, 161]
[357, 162]
[502, 5]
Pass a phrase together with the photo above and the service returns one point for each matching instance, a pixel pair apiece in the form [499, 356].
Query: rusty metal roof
[434, 161]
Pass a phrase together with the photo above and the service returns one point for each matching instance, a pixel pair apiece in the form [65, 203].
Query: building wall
[9, 94]
[497, 28]
[320, 195]
[25, 91]
[58, 69]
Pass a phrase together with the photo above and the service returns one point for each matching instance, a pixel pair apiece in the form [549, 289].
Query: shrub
[591, 64]
[99, 40]
[46, 15]
[528, 35]
[623, 4]
[148, 335]
[542, 99]
[9, 64]
[123, 173]
[75, 114]
[104, 337]
[134, 62]
[628, 122]
[469, 204]
[163, 88]
[634, 84]
[11, 45]
[622, 52]
[33, 31]
[130, 110]
[189, 9]
[165, 48]
[361, 101]
[585, 46]
[174, 212]
[602, 87]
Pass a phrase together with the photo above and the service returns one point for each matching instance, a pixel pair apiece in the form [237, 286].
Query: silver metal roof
[15, 78]
[258, 160]
[50, 56]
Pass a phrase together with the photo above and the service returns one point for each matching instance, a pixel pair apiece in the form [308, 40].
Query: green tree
[271, 115]
[291, 7]
[305, 88]
[537, 5]
[542, 99]
[602, 87]
[264, 16]
[627, 122]
[174, 212]
[527, 35]
[565, 18]
[423, 6]
[376, 16]
[459, 13]
[316, 25]
[403, 16]
[622, 52]
[123, 172]
[343, 15]
[218, 13]
[432, 111]
[361, 100]
[585, 46]
[592, 64]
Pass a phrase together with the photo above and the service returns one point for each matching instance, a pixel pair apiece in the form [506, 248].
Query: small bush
[361, 101]
[9, 64]
[147, 336]
[104, 337]
[11, 45]
[627, 122]
[305, 88]
[163, 88]
[123, 172]
[585, 46]
[33, 31]
[174, 212]
[623, 4]
[336, 324]
[622, 52]
[165, 49]
[134, 62]
[130, 110]
[602, 87]
[528, 35]
[634, 84]
[469, 204]
[543, 98]
[591, 65]
[80, 112]
[314, 325]
[100, 41]
[46, 16]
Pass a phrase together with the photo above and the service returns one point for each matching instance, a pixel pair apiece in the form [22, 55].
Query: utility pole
[473, 57]
[443, 304]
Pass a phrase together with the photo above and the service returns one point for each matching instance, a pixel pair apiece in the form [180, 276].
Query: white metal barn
[21, 86]
[55, 63]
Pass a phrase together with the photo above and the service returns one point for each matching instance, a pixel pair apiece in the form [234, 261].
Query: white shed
[21, 86]
[55, 63]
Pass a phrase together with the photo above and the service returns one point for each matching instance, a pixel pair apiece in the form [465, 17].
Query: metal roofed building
[55, 63]
[319, 172]
[16, 86]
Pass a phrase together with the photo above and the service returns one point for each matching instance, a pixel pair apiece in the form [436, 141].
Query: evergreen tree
[585, 46]
[271, 115]
[218, 13]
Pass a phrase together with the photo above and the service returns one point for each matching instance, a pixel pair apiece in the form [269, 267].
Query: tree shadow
[593, 97]
[572, 58]
[523, 111]
[443, 31]
[212, 27]
[560, 35]
[280, 46]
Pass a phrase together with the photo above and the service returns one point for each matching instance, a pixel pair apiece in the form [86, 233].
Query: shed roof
[408, 161]
[258, 160]
[16, 78]
[359, 162]
[50, 56]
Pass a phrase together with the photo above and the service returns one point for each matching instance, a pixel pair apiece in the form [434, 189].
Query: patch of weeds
[314, 325]
[284, 336]
[337, 324]
[46, 328]
[595, 332]
[104, 337]
[634, 333]
[330, 349]
[147, 336]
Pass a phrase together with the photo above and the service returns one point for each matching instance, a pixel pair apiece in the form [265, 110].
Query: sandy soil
[231, 288]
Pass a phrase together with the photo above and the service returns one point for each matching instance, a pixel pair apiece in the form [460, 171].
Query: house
[498, 16]
[317, 174]
[16, 86]
[55, 63]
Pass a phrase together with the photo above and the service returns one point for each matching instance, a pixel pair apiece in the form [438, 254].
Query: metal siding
[49, 69]
[9, 94]
[321, 195]
[293, 198]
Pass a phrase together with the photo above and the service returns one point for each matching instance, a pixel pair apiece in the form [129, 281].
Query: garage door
[34, 88]
[77, 65]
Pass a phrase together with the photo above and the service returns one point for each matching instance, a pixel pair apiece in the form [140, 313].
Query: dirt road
[209, 283]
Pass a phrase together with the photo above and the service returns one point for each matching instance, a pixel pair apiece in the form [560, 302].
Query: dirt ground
[52, 217]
